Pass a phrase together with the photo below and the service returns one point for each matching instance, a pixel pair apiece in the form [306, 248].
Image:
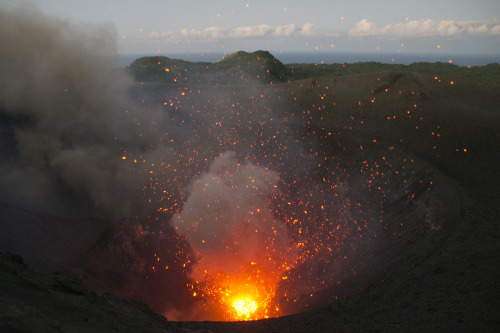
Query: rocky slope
[56, 302]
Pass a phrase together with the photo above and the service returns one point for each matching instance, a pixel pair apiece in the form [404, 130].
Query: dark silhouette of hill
[304, 71]
[169, 70]
[238, 68]
[261, 67]
[56, 302]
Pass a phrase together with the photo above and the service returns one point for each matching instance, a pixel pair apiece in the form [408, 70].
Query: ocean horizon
[124, 60]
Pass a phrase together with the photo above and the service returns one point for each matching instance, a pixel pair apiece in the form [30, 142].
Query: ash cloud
[66, 119]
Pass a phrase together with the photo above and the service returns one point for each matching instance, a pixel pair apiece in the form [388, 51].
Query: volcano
[355, 199]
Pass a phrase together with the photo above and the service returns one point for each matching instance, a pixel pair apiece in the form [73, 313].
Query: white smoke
[228, 221]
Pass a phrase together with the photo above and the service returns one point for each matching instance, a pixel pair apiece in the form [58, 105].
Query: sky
[225, 26]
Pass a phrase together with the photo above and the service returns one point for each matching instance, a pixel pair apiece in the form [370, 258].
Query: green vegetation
[262, 67]
[169, 70]
[304, 71]
[260, 64]
[237, 68]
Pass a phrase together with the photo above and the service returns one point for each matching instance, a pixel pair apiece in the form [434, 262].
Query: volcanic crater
[384, 181]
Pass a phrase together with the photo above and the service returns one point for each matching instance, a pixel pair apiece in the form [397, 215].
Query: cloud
[241, 32]
[251, 31]
[158, 35]
[427, 28]
[495, 30]
[210, 33]
[284, 30]
[309, 29]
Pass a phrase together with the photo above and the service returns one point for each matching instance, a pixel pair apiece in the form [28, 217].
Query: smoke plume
[67, 123]
[227, 218]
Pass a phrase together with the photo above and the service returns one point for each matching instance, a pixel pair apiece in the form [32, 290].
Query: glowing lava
[242, 250]
[244, 308]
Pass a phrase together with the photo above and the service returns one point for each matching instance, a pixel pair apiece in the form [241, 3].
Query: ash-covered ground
[378, 189]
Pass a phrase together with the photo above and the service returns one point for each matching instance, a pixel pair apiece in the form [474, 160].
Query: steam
[227, 218]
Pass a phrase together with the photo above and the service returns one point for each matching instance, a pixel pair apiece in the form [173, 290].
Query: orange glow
[244, 308]
[241, 253]
[248, 295]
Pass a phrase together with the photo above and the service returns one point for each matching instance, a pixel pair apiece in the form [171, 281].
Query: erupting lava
[244, 308]
[242, 250]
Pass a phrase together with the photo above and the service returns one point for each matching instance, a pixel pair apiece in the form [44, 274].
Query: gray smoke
[66, 120]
